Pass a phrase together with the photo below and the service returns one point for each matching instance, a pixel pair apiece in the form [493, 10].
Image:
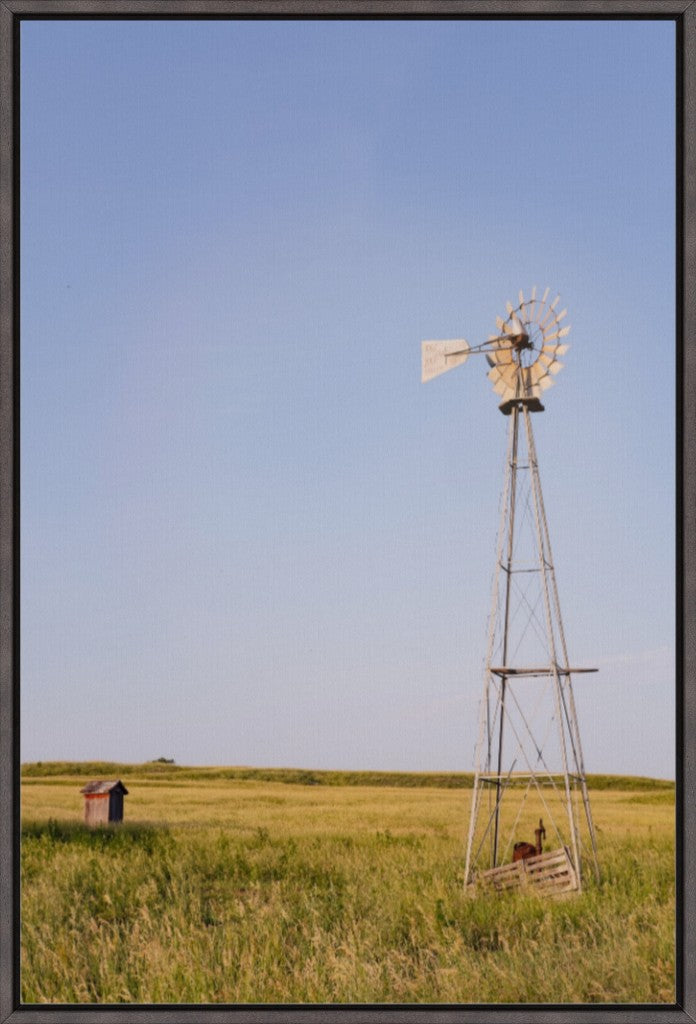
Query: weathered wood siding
[97, 809]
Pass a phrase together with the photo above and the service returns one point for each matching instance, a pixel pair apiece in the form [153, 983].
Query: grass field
[236, 886]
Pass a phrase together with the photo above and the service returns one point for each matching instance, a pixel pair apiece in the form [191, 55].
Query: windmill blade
[541, 311]
[507, 370]
[439, 356]
[532, 303]
[504, 388]
[522, 306]
[499, 353]
[499, 345]
[553, 324]
[509, 307]
[517, 331]
[550, 364]
[545, 382]
[557, 334]
[549, 318]
[503, 377]
[505, 383]
[500, 356]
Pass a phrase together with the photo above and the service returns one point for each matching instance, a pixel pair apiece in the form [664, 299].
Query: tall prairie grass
[233, 891]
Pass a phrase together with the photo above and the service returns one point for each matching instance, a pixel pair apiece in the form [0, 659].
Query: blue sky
[250, 535]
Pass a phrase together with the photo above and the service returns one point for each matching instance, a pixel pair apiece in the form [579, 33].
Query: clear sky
[250, 535]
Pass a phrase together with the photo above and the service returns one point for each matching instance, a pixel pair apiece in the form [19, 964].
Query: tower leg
[567, 684]
[484, 743]
[545, 565]
[514, 426]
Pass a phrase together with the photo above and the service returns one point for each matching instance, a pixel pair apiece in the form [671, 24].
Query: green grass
[225, 889]
[295, 776]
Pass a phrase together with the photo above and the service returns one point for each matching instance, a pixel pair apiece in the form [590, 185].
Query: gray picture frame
[683, 13]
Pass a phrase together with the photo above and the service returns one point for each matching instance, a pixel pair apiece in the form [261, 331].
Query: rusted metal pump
[522, 851]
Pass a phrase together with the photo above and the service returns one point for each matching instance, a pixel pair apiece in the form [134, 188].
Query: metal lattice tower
[528, 763]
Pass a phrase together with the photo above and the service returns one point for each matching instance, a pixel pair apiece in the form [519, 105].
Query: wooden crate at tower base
[548, 874]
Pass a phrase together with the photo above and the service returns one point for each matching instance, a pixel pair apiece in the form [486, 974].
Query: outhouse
[104, 801]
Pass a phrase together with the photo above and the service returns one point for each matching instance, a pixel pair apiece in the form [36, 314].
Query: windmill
[528, 761]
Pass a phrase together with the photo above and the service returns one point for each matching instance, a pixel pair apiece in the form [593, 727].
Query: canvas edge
[9, 719]
[348, 8]
[11, 12]
[686, 510]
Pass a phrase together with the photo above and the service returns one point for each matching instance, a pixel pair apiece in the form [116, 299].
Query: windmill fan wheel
[524, 354]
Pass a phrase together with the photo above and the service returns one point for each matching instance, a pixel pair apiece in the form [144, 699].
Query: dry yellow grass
[224, 891]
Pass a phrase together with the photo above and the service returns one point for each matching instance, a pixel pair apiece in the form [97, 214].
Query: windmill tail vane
[529, 763]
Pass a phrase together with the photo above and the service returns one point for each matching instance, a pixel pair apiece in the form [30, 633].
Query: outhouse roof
[103, 786]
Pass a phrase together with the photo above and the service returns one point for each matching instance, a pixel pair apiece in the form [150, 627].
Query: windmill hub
[517, 335]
